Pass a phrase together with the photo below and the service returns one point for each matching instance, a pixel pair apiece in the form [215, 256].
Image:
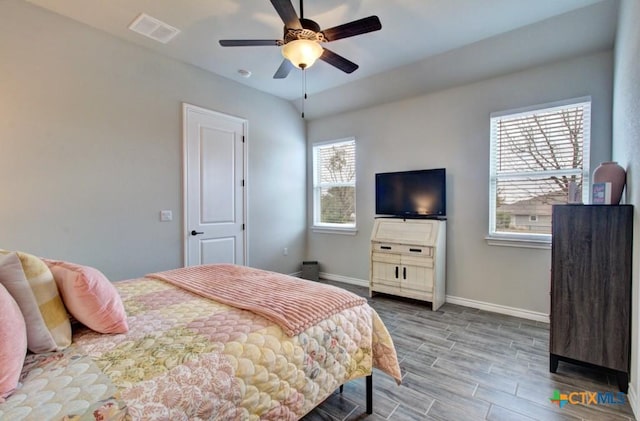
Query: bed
[197, 350]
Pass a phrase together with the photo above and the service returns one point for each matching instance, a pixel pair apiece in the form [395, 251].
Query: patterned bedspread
[188, 357]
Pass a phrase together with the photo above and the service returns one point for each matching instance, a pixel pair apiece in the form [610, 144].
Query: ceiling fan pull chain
[304, 89]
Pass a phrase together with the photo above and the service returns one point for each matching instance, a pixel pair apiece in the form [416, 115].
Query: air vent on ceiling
[153, 28]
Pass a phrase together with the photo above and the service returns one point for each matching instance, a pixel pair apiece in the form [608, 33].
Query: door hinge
[242, 183]
[242, 138]
[242, 227]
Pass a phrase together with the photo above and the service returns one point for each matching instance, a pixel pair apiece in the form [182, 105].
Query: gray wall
[450, 129]
[91, 150]
[626, 150]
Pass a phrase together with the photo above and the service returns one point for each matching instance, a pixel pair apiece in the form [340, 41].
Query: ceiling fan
[302, 37]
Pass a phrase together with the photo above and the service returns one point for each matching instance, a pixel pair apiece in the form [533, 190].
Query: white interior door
[214, 156]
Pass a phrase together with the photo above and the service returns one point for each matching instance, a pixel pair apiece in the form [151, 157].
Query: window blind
[535, 155]
[334, 183]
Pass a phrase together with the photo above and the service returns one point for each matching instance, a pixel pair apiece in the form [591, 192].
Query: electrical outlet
[285, 251]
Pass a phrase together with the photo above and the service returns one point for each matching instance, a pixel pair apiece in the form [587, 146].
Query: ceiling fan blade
[338, 61]
[248, 42]
[357, 27]
[287, 13]
[283, 70]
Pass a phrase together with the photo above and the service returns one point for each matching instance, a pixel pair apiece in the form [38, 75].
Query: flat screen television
[412, 194]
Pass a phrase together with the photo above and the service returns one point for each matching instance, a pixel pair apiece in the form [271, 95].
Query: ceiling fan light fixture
[302, 53]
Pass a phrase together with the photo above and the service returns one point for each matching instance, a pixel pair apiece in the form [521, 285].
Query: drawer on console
[403, 249]
[423, 261]
[386, 248]
[385, 257]
[417, 251]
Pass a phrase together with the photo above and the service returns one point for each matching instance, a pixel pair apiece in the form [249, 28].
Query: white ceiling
[414, 35]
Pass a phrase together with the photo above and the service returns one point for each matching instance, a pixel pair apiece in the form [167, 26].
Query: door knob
[194, 232]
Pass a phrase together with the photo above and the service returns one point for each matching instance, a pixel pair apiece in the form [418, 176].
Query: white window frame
[532, 240]
[323, 227]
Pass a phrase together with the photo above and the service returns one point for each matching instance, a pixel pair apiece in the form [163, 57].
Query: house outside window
[536, 154]
[334, 186]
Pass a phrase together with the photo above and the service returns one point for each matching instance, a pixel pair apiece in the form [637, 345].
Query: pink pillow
[89, 296]
[13, 343]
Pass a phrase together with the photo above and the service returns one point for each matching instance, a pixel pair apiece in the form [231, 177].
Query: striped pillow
[30, 282]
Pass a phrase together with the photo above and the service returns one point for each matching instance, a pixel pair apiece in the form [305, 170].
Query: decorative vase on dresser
[611, 172]
[591, 287]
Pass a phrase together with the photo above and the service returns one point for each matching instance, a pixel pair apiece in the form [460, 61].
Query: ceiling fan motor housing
[310, 30]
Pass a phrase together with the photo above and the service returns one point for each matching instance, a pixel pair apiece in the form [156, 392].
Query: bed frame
[369, 392]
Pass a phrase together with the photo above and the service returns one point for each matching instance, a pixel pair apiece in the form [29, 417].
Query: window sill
[334, 230]
[519, 241]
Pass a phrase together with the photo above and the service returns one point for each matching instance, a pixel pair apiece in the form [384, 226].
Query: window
[334, 185]
[536, 154]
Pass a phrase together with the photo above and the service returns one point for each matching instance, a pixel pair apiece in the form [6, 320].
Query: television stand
[408, 259]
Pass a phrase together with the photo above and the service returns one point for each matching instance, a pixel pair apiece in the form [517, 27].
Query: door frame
[186, 107]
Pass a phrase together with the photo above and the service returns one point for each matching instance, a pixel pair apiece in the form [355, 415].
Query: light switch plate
[166, 215]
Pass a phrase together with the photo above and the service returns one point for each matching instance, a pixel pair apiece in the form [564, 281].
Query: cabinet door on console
[385, 269]
[417, 274]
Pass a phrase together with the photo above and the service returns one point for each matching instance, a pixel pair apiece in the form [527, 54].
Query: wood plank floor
[460, 363]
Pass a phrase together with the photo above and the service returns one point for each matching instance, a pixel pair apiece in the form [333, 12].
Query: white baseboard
[345, 279]
[481, 305]
[497, 308]
[632, 396]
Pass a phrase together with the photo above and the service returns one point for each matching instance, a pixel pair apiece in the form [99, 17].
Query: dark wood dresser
[591, 287]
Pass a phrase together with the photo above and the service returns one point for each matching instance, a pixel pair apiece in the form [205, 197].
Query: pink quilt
[294, 304]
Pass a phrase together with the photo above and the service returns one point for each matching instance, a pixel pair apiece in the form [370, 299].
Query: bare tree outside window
[536, 155]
